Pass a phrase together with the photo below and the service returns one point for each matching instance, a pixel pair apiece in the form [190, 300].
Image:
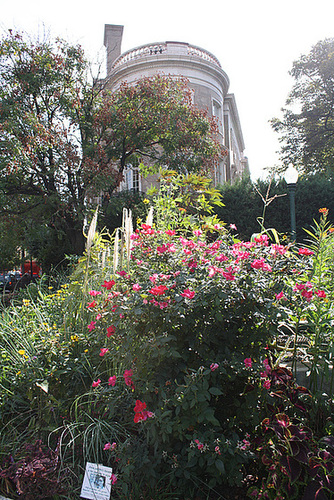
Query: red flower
[91, 304]
[108, 284]
[189, 294]
[305, 251]
[128, 378]
[91, 325]
[140, 412]
[104, 351]
[110, 330]
[158, 290]
[140, 406]
[248, 362]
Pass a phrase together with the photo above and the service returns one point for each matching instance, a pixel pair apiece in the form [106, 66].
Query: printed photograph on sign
[97, 483]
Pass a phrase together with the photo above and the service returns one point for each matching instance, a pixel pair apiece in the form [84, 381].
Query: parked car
[7, 282]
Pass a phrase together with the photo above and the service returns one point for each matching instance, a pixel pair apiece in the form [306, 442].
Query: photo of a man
[98, 481]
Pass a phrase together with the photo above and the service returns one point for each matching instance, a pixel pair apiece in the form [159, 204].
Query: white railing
[163, 48]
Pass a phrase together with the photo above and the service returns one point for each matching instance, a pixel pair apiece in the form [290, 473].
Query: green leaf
[220, 466]
[215, 391]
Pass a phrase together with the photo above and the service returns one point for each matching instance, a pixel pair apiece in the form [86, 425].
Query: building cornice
[166, 55]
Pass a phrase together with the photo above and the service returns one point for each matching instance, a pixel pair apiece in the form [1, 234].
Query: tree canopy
[307, 126]
[65, 138]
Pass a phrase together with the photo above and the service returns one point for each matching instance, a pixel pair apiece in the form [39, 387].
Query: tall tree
[64, 138]
[307, 126]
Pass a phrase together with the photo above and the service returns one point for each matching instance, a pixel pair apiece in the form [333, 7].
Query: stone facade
[206, 77]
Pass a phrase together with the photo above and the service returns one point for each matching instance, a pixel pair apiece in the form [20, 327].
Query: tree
[154, 120]
[64, 138]
[307, 127]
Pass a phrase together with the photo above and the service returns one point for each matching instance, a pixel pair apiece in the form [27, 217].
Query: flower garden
[195, 365]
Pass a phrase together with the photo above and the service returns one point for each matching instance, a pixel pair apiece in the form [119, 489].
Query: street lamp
[291, 177]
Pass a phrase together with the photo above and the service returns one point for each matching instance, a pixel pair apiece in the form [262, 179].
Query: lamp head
[291, 175]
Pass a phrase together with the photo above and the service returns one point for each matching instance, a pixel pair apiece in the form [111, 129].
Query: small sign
[97, 483]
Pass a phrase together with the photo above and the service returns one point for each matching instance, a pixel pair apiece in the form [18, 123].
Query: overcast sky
[255, 41]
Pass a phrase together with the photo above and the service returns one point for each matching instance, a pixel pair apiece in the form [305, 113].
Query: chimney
[112, 41]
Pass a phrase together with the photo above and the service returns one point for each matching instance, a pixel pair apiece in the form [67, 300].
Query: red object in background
[31, 267]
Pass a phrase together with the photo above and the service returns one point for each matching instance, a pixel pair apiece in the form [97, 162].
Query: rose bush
[193, 320]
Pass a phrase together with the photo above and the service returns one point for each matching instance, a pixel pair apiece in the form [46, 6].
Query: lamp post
[291, 177]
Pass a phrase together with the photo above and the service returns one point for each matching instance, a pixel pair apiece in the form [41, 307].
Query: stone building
[206, 77]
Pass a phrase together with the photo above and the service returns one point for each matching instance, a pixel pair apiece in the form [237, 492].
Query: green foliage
[112, 209]
[155, 121]
[163, 362]
[243, 204]
[307, 125]
[64, 139]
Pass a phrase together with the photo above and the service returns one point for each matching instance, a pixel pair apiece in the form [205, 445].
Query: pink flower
[104, 351]
[189, 294]
[146, 229]
[307, 294]
[214, 366]
[91, 325]
[108, 284]
[98, 316]
[261, 264]
[321, 294]
[112, 380]
[266, 384]
[217, 450]
[248, 362]
[158, 290]
[277, 249]
[197, 232]
[128, 377]
[97, 383]
[136, 287]
[228, 274]
[121, 273]
[170, 232]
[262, 239]
[109, 446]
[267, 366]
[245, 445]
[94, 293]
[162, 249]
[171, 247]
[91, 304]
[280, 296]
[113, 479]
[140, 412]
[305, 251]
[233, 226]
[110, 330]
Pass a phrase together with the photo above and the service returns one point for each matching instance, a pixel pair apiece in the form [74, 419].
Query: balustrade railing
[164, 49]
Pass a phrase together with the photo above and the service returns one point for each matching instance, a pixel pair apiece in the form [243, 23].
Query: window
[217, 112]
[131, 179]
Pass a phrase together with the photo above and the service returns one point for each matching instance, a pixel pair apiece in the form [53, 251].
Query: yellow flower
[75, 338]
[146, 201]
[19, 372]
[86, 350]
[21, 352]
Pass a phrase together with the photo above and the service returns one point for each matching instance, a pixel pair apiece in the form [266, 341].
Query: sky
[255, 41]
